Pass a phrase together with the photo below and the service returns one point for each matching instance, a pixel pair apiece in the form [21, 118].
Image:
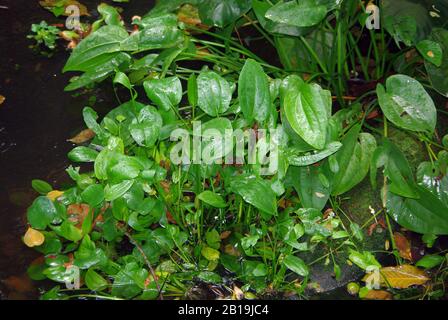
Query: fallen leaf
[20, 284]
[77, 213]
[2, 99]
[403, 246]
[378, 295]
[83, 136]
[400, 277]
[225, 234]
[33, 238]
[231, 250]
[53, 195]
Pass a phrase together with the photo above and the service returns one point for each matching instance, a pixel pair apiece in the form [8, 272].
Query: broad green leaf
[42, 212]
[365, 260]
[82, 154]
[306, 107]
[256, 192]
[214, 93]
[353, 160]
[116, 191]
[41, 186]
[253, 92]
[430, 261]
[305, 180]
[304, 13]
[210, 254]
[296, 265]
[193, 90]
[68, 231]
[212, 199]
[95, 281]
[438, 75]
[93, 195]
[425, 215]
[165, 93]
[145, 129]
[406, 104]
[297, 158]
[221, 13]
[99, 47]
[109, 14]
[216, 142]
[431, 51]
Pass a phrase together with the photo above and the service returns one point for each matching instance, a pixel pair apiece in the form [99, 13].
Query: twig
[140, 249]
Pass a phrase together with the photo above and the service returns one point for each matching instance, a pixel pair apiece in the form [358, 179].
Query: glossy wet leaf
[145, 128]
[214, 93]
[99, 47]
[307, 109]
[406, 104]
[353, 160]
[299, 159]
[112, 192]
[42, 212]
[165, 93]
[296, 265]
[95, 281]
[82, 154]
[212, 199]
[430, 261]
[256, 192]
[93, 195]
[253, 92]
[365, 260]
[425, 215]
[33, 238]
[221, 13]
[304, 13]
[68, 231]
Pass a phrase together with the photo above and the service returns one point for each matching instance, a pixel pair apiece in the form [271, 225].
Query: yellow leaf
[83, 136]
[53, 195]
[33, 238]
[401, 277]
[378, 295]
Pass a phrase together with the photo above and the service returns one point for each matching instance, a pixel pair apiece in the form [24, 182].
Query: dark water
[36, 119]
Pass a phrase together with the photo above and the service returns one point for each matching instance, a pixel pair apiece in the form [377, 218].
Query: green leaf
[365, 260]
[82, 154]
[438, 75]
[253, 92]
[109, 14]
[304, 13]
[193, 90]
[425, 215]
[214, 93]
[93, 195]
[221, 13]
[68, 231]
[88, 255]
[213, 239]
[42, 212]
[296, 158]
[41, 186]
[210, 254]
[99, 47]
[296, 265]
[116, 191]
[165, 93]
[307, 107]
[256, 192]
[213, 199]
[353, 160]
[95, 281]
[406, 104]
[145, 129]
[430, 261]
[122, 78]
[431, 51]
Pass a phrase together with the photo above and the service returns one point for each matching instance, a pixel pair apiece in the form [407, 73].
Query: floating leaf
[83, 136]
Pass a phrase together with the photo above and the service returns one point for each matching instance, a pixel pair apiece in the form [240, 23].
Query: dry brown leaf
[400, 277]
[77, 213]
[378, 295]
[231, 250]
[21, 284]
[225, 234]
[2, 99]
[82, 137]
[33, 238]
[403, 246]
[53, 195]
